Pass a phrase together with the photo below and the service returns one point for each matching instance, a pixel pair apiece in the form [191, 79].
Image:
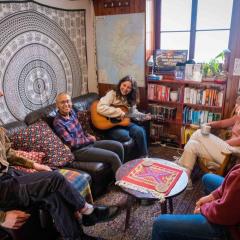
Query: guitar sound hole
[115, 120]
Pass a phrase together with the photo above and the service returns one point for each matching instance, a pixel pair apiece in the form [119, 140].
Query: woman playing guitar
[110, 106]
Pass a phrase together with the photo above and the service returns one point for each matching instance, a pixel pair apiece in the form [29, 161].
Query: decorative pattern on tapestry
[42, 53]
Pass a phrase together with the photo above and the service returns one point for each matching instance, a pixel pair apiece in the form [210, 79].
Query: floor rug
[142, 216]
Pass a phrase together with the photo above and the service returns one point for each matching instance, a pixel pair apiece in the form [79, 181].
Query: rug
[142, 216]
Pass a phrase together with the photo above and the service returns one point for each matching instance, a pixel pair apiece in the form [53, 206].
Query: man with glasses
[86, 147]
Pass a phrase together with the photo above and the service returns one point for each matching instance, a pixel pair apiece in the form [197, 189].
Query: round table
[133, 195]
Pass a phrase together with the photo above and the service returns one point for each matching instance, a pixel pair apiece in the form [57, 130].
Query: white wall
[90, 33]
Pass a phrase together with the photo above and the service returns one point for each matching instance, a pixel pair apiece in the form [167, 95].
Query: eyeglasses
[65, 101]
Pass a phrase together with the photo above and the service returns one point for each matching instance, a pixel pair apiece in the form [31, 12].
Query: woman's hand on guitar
[122, 116]
[148, 117]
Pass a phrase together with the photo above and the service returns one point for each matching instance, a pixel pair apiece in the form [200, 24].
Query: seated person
[210, 146]
[70, 131]
[20, 192]
[109, 106]
[216, 216]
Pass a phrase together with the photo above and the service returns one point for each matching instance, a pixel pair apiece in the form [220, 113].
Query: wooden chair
[209, 167]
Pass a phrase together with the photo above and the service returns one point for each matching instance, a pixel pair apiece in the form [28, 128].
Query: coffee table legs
[130, 202]
[164, 206]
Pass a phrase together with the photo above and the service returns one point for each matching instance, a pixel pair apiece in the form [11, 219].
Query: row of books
[158, 92]
[208, 97]
[156, 131]
[168, 113]
[193, 116]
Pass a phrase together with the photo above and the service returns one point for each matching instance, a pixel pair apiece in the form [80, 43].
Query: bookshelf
[196, 103]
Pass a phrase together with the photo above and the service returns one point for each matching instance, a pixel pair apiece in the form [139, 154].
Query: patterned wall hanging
[42, 53]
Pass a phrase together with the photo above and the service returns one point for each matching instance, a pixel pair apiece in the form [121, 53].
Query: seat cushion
[40, 137]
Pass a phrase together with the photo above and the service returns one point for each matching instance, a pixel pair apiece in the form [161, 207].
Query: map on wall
[120, 47]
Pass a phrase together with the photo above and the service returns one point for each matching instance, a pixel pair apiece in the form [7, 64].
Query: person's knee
[191, 146]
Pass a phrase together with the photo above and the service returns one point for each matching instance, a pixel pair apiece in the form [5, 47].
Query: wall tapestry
[42, 53]
[120, 47]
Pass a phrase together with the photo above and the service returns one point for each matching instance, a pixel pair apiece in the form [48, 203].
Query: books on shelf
[158, 92]
[207, 97]
[198, 117]
[169, 113]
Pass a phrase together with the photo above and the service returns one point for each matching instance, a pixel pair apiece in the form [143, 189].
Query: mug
[205, 129]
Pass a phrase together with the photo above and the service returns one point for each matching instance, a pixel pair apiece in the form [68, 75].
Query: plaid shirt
[70, 131]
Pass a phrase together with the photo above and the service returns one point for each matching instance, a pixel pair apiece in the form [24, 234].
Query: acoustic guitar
[103, 123]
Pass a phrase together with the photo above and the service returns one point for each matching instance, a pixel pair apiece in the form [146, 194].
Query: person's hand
[41, 167]
[91, 137]
[15, 219]
[201, 201]
[148, 116]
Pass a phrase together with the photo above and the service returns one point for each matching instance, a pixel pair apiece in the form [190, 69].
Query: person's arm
[13, 219]
[226, 209]
[229, 122]
[16, 160]
[104, 106]
[13, 159]
[235, 141]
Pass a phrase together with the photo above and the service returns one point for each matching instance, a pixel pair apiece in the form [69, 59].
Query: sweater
[225, 208]
[108, 106]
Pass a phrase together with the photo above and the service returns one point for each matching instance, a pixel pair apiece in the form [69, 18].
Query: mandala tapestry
[42, 53]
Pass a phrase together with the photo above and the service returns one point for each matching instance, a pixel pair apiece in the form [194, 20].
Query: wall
[88, 5]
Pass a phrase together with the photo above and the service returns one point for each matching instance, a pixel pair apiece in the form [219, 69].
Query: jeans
[190, 226]
[211, 182]
[20, 191]
[134, 131]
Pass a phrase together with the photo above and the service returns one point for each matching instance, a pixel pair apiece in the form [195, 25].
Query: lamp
[151, 63]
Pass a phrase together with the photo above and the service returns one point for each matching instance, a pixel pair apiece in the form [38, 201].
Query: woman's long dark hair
[132, 96]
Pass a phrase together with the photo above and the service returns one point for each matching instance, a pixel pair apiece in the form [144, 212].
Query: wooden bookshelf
[174, 127]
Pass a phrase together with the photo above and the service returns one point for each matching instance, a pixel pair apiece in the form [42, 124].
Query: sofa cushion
[37, 157]
[40, 137]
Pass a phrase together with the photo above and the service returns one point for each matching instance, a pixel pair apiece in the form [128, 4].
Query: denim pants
[20, 191]
[190, 226]
[134, 131]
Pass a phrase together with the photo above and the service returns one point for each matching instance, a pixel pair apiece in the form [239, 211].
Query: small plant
[214, 67]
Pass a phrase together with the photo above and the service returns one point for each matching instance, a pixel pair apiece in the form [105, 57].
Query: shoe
[100, 214]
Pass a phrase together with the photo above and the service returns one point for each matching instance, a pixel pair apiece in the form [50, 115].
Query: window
[201, 26]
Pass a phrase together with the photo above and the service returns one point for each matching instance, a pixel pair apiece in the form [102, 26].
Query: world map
[120, 47]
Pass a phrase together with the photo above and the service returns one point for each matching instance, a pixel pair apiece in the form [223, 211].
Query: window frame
[193, 24]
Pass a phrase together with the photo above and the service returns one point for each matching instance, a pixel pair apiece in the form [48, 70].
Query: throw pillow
[37, 157]
[40, 137]
[84, 118]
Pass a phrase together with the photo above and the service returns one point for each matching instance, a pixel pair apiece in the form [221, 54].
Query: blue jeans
[190, 226]
[134, 131]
